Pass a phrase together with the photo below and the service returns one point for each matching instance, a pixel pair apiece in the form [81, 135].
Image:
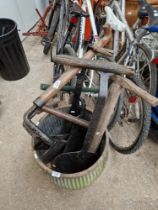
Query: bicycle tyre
[153, 83]
[68, 50]
[50, 17]
[152, 87]
[61, 40]
[144, 128]
[63, 16]
[52, 30]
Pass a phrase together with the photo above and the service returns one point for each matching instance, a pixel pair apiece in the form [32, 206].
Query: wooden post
[107, 112]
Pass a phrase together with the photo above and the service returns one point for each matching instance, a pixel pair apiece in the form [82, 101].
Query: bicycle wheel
[133, 125]
[52, 29]
[62, 36]
[139, 57]
[53, 3]
[58, 68]
[62, 26]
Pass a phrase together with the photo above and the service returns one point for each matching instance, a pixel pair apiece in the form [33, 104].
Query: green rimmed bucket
[75, 181]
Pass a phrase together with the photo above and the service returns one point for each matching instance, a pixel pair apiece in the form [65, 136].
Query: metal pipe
[92, 20]
[122, 18]
[123, 8]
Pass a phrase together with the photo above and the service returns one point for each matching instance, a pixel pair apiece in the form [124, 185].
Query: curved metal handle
[33, 129]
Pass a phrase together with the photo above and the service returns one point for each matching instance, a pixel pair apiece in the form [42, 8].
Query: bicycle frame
[122, 18]
[87, 28]
[86, 4]
[130, 36]
[120, 13]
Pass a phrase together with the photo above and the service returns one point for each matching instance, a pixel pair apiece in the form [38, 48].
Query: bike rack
[41, 29]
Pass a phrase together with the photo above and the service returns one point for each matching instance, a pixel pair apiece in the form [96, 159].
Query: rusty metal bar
[41, 26]
[65, 116]
[42, 20]
[40, 33]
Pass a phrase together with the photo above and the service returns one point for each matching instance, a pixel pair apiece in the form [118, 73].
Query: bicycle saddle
[75, 9]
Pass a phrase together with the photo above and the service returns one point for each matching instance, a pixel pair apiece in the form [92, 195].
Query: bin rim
[51, 172]
[103, 156]
[8, 33]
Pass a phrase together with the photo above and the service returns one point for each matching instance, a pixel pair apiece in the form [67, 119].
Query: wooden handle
[128, 84]
[66, 116]
[98, 65]
[107, 112]
[66, 77]
[102, 51]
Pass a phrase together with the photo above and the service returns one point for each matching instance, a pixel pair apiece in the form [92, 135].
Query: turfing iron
[72, 162]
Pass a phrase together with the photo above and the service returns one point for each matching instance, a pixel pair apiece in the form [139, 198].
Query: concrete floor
[128, 182]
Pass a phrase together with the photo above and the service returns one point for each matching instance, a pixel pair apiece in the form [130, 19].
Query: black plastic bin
[13, 61]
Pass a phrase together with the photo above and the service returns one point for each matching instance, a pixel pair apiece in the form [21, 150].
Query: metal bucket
[51, 125]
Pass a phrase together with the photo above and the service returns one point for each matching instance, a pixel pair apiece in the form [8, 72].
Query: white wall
[27, 13]
[41, 4]
[22, 12]
[8, 9]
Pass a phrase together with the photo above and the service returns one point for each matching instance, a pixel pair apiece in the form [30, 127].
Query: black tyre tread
[61, 45]
[52, 30]
[147, 51]
[69, 50]
[50, 18]
[60, 26]
[145, 126]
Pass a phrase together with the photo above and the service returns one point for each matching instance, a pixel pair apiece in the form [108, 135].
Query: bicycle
[77, 17]
[52, 26]
[59, 8]
[51, 147]
[134, 53]
[124, 117]
[133, 114]
[66, 28]
[125, 107]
